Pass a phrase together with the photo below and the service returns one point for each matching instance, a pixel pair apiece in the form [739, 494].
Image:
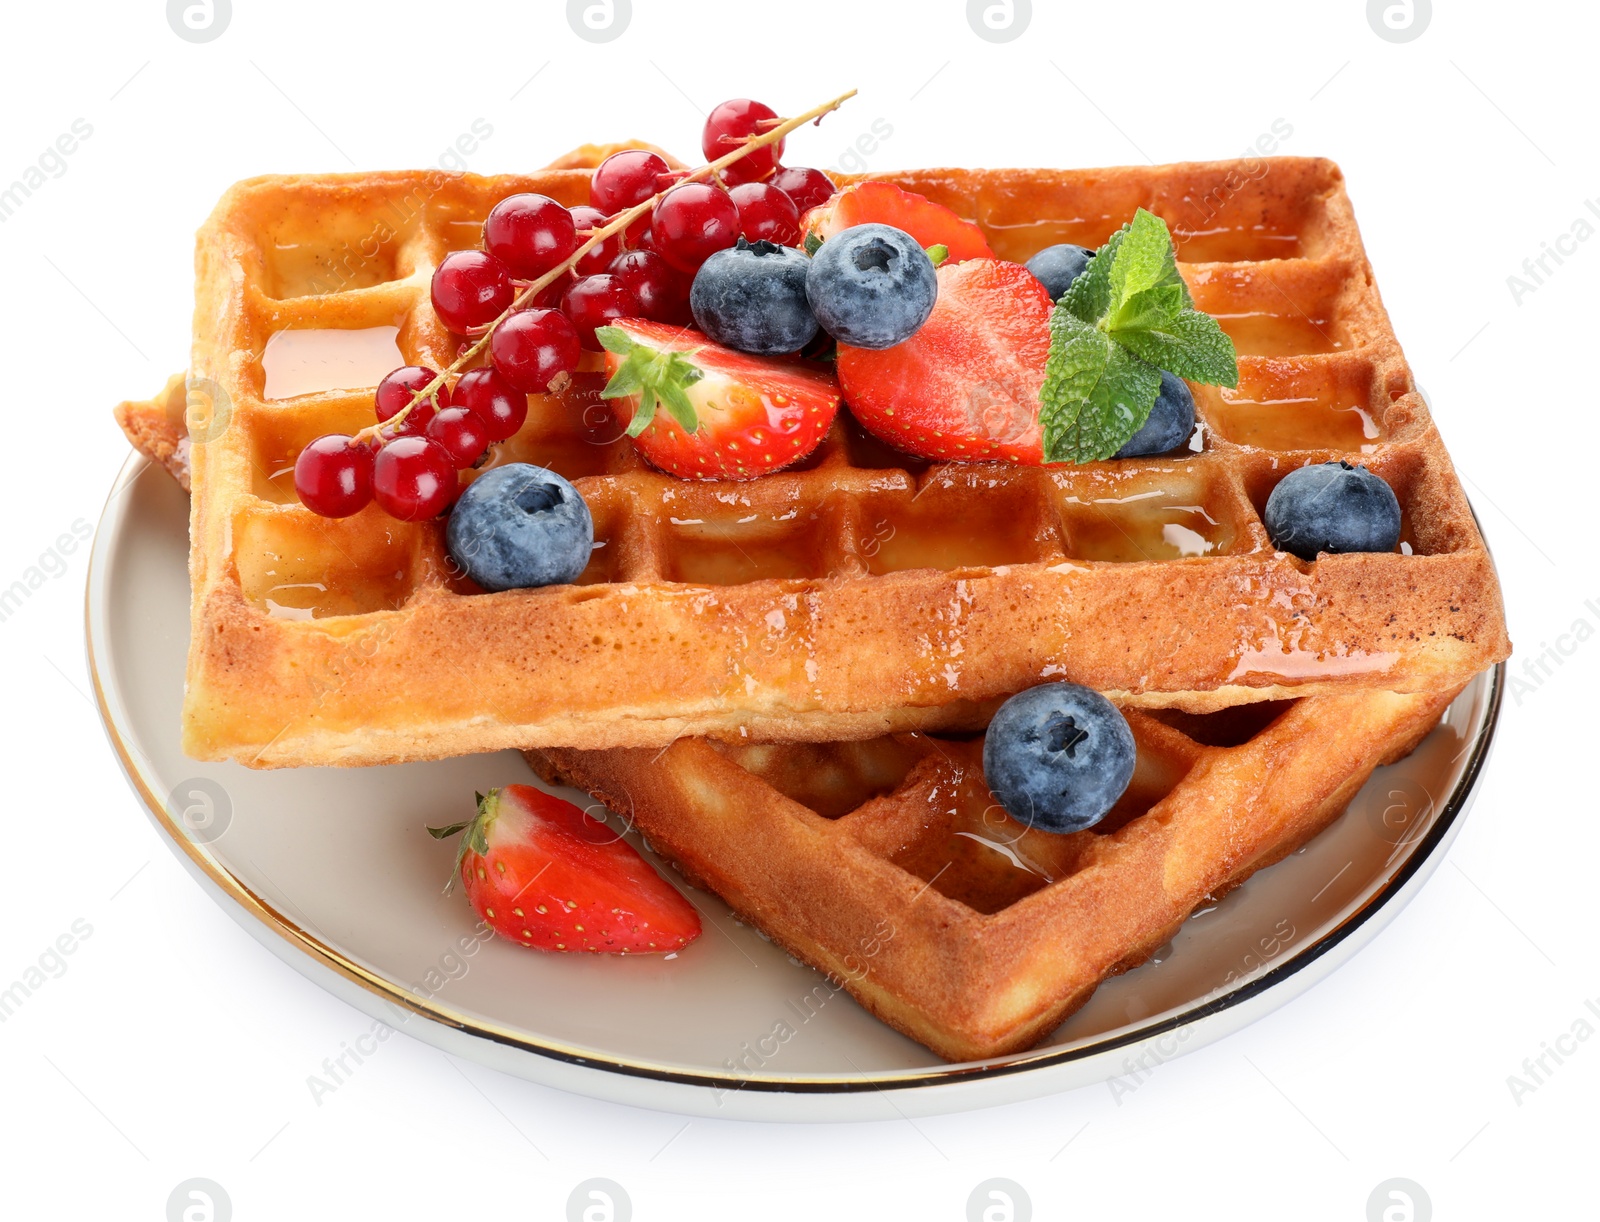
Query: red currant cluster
[641, 270]
[410, 467]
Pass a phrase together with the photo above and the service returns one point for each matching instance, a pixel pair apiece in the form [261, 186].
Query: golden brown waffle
[872, 860]
[158, 429]
[861, 594]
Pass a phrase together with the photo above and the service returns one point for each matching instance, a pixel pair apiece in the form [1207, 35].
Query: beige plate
[332, 870]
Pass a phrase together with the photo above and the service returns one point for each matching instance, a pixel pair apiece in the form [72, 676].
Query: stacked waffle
[780, 680]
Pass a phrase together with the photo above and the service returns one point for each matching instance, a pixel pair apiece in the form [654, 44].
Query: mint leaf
[1089, 296]
[1127, 317]
[1144, 259]
[1193, 346]
[1096, 393]
[1153, 308]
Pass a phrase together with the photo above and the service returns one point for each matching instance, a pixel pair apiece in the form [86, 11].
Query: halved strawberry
[965, 386]
[929, 223]
[727, 415]
[543, 873]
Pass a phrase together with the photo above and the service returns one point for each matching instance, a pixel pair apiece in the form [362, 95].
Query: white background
[175, 1046]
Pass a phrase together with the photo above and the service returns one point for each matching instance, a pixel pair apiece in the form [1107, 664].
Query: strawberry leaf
[651, 376]
[678, 405]
[476, 839]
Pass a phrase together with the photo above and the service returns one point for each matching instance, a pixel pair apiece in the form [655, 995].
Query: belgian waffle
[864, 592]
[889, 866]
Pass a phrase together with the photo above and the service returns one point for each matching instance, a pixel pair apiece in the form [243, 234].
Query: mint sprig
[1126, 318]
[655, 375]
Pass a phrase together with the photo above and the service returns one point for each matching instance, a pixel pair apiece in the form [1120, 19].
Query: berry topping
[533, 347]
[471, 288]
[520, 526]
[966, 386]
[702, 411]
[872, 286]
[1058, 266]
[691, 223]
[546, 875]
[663, 293]
[461, 432]
[1332, 507]
[333, 476]
[729, 125]
[397, 390]
[598, 259]
[808, 188]
[753, 298]
[413, 479]
[1170, 423]
[625, 179]
[766, 213]
[499, 404]
[595, 301]
[530, 234]
[929, 223]
[1058, 757]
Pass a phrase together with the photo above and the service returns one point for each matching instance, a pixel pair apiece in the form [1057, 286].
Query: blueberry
[1332, 507]
[752, 297]
[1058, 757]
[1170, 424]
[871, 286]
[519, 526]
[1055, 267]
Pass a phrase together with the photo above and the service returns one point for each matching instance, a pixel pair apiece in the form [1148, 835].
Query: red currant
[471, 288]
[625, 179]
[333, 476]
[398, 389]
[549, 297]
[462, 433]
[691, 223]
[595, 301]
[807, 187]
[728, 126]
[413, 479]
[501, 406]
[663, 294]
[766, 212]
[530, 234]
[598, 259]
[532, 347]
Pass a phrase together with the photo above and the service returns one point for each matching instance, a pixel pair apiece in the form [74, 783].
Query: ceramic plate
[732, 1027]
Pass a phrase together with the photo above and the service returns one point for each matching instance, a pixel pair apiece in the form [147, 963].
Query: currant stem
[618, 223]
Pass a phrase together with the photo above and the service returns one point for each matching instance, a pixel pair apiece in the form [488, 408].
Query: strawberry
[929, 223]
[543, 873]
[728, 415]
[966, 386]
